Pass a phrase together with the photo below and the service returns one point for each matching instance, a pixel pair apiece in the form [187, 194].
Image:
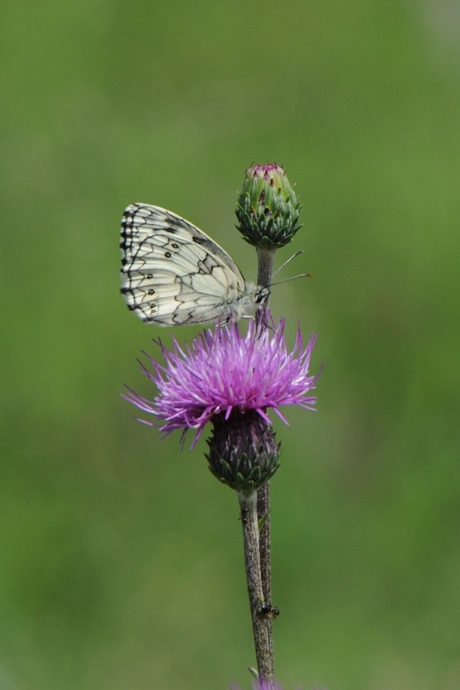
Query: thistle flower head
[267, 209]
[231, 380]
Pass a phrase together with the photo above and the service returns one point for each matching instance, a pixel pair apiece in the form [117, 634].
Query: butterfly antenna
[294, 256]
[288, 280]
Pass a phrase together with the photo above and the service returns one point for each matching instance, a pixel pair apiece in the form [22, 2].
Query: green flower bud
[267, 209]
[243, 452]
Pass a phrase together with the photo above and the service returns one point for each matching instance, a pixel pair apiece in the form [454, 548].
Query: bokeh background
[121, 564]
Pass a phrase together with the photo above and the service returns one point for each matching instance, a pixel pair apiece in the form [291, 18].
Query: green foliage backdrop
[121, 560]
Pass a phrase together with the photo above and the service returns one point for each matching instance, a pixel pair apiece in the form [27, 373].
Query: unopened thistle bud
[243, 452]
[267, 209]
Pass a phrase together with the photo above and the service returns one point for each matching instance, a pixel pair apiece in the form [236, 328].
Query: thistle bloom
[224, 370]
[231, 380]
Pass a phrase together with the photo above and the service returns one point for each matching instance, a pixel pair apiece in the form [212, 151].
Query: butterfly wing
[173, 273]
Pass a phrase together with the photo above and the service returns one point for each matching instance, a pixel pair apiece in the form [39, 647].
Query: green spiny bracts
[267, 209]
[243, 452]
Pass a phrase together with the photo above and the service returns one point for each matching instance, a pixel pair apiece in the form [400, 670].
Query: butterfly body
[173, 273]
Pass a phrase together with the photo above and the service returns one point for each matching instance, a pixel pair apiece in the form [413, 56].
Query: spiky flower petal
[223, 371]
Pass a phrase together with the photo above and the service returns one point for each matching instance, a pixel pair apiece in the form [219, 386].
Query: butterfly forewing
[173, 273]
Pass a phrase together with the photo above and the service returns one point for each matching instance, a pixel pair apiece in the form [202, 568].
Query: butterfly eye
[175, 246]
[168, 255]
[151, 291]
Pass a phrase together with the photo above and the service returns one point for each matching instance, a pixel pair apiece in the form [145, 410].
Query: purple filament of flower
[223, 370]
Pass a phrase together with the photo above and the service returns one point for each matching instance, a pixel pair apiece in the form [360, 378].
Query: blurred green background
[121, 558]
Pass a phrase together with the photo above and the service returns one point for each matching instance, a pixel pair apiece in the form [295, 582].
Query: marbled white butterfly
[173, 273]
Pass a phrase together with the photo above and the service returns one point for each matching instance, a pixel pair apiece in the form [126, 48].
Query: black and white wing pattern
[173, 273]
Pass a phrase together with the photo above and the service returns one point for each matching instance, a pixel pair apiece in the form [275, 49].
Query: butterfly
[173, 273]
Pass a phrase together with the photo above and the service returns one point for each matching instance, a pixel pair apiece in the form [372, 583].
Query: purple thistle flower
[224, 371]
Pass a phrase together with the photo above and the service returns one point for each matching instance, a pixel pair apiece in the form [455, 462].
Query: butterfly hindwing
[173, 273]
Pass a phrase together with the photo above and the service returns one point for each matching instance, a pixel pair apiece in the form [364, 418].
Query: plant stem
[265, 555]
[265, 258]
[261, 621]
